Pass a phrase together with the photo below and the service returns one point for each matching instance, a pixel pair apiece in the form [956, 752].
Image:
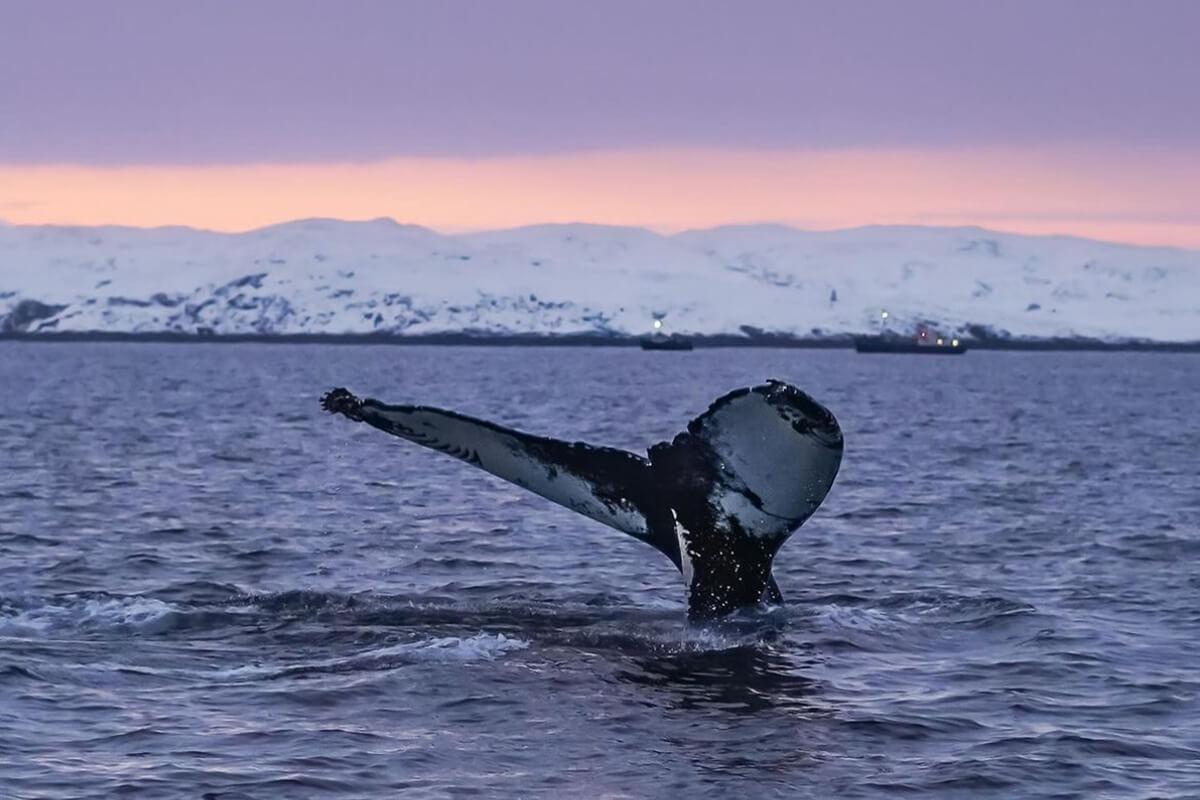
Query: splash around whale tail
[718, 500]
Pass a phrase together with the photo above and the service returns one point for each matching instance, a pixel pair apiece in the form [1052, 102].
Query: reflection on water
[740, 679]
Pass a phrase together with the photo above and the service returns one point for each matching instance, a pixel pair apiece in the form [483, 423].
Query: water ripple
[233, 596]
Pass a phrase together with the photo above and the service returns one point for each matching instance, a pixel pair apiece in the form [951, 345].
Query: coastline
[584, 340]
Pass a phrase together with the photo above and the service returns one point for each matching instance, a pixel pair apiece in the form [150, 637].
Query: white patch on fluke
[499, 452]
[685, 558]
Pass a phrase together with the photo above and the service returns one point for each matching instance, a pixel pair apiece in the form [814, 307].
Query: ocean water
[208, 588]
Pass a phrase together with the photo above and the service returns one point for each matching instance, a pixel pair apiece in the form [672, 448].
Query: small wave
[900, 727]
[25, 539]
[303, 601]
[859, 619]
[1092, 745]
[456, 563]
[912, 618]
[1164, 545]
[876, 512]
[78, 612]
[19, 672]
[480, 647]
[944, 607]
[198, 591]
[236, 458]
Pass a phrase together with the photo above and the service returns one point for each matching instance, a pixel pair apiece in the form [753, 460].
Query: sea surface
[209, 588]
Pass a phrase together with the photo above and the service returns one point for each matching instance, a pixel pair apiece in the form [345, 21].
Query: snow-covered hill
[324, 276]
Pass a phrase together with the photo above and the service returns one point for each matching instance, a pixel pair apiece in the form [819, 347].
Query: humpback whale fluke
[718, 500]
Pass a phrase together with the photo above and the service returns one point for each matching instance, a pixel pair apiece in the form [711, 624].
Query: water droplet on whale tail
[718, 500]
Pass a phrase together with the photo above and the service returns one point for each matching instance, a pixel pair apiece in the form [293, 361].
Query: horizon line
[660, 231]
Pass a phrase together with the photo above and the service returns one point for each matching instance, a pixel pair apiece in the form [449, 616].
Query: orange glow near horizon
[1143, 197]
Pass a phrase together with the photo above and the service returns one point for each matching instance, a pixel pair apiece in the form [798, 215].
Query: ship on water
[923, 342]
[661, 340]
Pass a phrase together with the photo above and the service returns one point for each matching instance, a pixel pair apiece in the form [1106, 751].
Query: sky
[1064, 116]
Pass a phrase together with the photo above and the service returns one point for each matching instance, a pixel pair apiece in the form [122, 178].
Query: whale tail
[718, 500]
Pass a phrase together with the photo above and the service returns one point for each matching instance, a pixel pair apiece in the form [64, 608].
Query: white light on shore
[883, 315]
[657, 324]
[954, 342]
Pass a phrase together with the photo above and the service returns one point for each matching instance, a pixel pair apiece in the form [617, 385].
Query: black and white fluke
[718, 500]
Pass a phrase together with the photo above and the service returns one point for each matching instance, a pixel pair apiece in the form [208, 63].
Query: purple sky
[155, 81]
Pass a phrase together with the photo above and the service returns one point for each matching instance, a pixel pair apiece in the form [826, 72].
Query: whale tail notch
[718, 500]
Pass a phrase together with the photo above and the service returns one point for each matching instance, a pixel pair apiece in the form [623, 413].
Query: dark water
[209, 589]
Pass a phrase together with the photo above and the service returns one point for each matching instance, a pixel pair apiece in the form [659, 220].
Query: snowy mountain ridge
[331, 277]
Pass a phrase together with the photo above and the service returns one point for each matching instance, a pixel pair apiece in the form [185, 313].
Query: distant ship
[662, 341]
[923, 342]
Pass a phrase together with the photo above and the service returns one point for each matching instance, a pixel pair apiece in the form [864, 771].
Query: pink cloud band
[1141, 196]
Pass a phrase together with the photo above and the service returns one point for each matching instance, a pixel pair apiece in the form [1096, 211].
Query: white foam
[480, 647]
[74, 613]
[703, 640]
